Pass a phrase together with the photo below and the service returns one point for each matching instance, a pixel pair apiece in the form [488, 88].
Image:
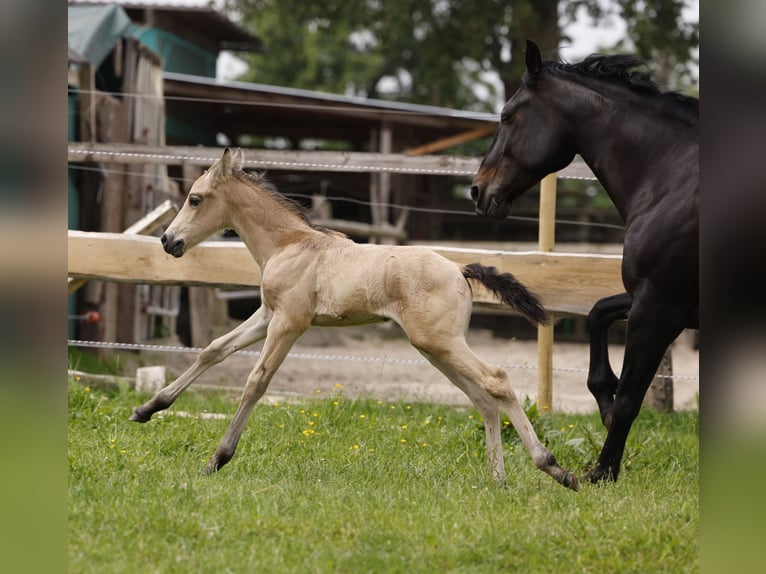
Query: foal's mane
[259, 180]
[628, 72]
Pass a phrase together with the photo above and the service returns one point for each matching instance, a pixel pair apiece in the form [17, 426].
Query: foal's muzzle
[174, 247]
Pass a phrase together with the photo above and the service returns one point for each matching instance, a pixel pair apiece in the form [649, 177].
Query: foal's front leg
[280, 338]
[250, 331]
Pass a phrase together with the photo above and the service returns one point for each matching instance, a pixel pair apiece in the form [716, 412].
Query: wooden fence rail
[567, 283]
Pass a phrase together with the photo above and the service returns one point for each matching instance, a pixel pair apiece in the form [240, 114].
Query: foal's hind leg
[602, 382]
[489, 412]
[250, 331]
[456, 358]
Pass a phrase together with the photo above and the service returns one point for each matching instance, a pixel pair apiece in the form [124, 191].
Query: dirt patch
[376, 362]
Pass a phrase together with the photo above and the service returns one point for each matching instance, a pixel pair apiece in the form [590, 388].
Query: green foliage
[336, 485]
[657, 34]
[89, 361]
[420, 51]
[437, 52]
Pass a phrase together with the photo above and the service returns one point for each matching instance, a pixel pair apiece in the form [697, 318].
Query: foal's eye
[506, 119]
[194, 200]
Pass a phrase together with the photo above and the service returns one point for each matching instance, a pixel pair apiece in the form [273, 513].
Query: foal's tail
[510, 291]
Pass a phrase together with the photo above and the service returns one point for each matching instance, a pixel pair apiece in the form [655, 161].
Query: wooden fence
[567, 283]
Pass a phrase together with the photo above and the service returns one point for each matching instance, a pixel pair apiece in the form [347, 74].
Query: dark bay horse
[642, 145]
[313, 276]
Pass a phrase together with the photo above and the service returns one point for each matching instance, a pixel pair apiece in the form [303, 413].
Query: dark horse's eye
[194, 200]
[506, 118]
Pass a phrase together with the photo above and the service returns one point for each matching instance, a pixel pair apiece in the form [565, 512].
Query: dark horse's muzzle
[174, 247]
[488, 207]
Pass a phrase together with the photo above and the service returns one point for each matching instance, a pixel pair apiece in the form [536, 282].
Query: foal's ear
[221, 169]
[534, 61]
[237, 158]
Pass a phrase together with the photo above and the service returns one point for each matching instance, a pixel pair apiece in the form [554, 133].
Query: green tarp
[95, 30]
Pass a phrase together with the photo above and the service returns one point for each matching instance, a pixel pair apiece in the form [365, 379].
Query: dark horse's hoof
[138, 417]
[597, 474]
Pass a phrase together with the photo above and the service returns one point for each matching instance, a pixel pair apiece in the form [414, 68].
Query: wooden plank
[361, 229]
[444, 143]
[567, 283]
[140, 259]
[152, 221]
[87, 98]
[317, 161]
[200, 323]
[147, 225]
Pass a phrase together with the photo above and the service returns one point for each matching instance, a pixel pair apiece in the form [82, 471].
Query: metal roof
[242, 108]
[206, 20]
[330, 98]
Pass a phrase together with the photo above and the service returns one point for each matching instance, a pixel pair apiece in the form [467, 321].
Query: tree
[435, 52]
[656, 32]
[439, 52]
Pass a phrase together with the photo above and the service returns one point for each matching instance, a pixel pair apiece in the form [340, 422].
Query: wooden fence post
[659, 396]
[546, 240]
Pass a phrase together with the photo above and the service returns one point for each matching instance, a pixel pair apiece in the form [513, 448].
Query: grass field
[334, 485]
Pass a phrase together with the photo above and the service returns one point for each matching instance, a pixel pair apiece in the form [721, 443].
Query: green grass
[334, 485]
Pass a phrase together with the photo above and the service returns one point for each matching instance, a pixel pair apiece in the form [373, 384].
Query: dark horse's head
[532, 140]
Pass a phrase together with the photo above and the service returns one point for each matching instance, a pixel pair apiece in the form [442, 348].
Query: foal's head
[206, 209]
[225, 197]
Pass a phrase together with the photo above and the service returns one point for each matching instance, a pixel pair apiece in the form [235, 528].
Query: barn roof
[251, 108]
[195, 19]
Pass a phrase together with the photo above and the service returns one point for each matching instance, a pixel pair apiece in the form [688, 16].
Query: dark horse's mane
[629, 72]
[259, 179]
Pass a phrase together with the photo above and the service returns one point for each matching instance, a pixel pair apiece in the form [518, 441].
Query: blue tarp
[95, 30]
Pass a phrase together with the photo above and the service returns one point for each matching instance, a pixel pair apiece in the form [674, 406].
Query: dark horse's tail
[509, 290]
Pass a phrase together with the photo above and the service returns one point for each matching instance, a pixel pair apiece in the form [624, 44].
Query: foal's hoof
[138, 417]
[570, 481]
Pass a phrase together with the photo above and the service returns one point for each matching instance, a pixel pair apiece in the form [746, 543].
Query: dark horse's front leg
[651, 329]
[602, 382]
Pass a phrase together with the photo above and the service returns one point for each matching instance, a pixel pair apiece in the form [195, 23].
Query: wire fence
[316, 356]
[341, 199]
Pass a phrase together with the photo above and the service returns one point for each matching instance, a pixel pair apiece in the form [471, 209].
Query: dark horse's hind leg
[602, 382]
[651, 329]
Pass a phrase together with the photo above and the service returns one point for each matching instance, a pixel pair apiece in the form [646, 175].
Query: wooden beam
[152, 221]
[87, 98]
[361, 229]
[450, 141]
[567, 283]
[147, 225]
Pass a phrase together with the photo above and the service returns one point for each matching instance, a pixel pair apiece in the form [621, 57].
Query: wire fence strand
[340, 199]
[317, 356]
